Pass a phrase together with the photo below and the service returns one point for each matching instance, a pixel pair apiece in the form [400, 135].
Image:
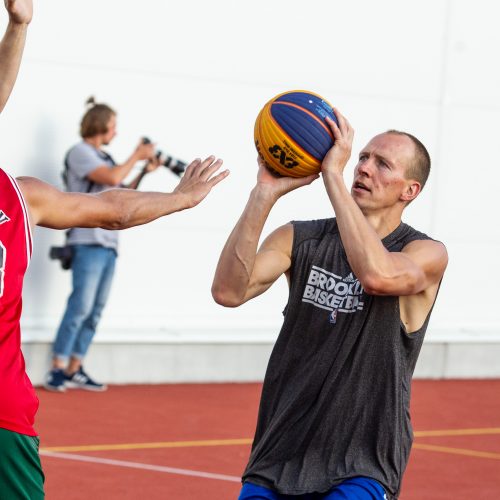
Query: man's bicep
[272, 260]
[418, 266]
[429, 258]
[50, 207]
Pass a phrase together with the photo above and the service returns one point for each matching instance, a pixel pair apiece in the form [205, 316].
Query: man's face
[379, 176]
[111, 126]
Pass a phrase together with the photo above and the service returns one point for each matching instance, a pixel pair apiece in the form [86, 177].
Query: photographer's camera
[63, 254]
[173, 164]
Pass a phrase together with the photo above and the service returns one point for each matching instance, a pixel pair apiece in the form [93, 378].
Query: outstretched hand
[20, 11]
[199, 179]
[279, 186]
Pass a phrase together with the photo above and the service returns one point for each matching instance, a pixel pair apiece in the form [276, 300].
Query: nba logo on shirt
[333, 317]
[3, 217]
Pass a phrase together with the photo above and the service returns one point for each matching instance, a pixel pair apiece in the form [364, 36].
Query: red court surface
[185, 442]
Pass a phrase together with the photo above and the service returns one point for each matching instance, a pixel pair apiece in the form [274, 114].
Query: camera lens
[176, 166]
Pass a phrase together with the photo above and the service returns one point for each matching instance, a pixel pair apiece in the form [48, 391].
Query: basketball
[291, 134]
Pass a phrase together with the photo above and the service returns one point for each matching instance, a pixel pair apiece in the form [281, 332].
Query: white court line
[137, 465]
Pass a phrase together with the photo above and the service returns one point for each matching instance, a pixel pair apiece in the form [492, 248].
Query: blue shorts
[357, 488]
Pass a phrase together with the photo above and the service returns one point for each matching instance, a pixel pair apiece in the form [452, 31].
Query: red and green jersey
[18, 401]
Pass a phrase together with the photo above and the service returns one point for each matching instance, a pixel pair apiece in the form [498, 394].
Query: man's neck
[384, 222]
[95, 141]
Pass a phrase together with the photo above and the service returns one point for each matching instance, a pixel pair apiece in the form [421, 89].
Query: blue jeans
[92, 269]
[356, 488]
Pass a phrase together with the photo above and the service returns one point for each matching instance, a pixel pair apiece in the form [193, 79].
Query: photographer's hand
[199, 179]
[144, 151]
[152, 165]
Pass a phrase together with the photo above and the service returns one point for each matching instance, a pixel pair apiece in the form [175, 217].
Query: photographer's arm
[12, 45]
[117, 208]
[150, 166]
[114, 176]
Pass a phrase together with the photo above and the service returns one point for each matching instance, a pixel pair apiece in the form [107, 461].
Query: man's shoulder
[82, 158]
[425, 248]
[406, 234]
[82, 149]
[312, 229]
[315, 223]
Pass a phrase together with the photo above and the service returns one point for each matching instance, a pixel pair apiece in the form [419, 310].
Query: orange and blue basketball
[291, 134]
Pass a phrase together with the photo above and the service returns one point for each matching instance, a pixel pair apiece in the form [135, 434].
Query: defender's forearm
[11, 51]
[130, 208]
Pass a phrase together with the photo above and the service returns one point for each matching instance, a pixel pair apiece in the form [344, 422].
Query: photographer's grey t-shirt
[81, 160]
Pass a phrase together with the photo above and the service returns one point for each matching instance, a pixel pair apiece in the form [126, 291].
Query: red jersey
[18, 401]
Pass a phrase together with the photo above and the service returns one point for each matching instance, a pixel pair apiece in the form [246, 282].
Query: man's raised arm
[12, 45]
[243, 273]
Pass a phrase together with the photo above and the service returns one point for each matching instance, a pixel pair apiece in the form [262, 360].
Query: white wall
[192, 75]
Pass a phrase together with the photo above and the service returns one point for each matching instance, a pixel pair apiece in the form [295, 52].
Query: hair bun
[90, 101]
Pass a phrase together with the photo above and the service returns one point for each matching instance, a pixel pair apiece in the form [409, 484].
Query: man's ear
[411, 191]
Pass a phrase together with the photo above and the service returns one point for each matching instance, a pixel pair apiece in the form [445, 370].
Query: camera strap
[64, 175]
[91, 184]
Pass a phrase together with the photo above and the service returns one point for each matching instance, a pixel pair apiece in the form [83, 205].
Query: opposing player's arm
[417, 267]
[113, 209]
[239, 278]
[117, 208]
[12, 45]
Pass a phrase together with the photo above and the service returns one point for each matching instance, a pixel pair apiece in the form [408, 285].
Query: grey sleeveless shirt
[335, 400]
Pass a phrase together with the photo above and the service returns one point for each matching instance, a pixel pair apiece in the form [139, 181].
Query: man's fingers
[191, 167]
[207, 162]
[207, 172]
[304, 181]
[343, 123]
[343, 130]
[215, 180]
[337, 134]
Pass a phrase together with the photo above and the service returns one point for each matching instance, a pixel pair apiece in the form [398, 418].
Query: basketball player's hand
[337, 157]
[278, 186]
[20, 11]
[199, 179]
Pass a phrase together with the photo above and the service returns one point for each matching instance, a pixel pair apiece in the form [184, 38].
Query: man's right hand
[275, 186]
[20, 11]
[199, 179]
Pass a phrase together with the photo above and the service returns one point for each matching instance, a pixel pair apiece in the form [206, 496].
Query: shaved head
[420, 166]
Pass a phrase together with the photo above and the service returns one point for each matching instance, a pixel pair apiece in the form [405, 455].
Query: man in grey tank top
[334, 413]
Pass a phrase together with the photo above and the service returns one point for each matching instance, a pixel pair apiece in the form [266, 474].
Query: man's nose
[365, 167]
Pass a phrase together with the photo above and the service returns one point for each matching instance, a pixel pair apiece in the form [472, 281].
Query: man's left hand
[337, 157]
